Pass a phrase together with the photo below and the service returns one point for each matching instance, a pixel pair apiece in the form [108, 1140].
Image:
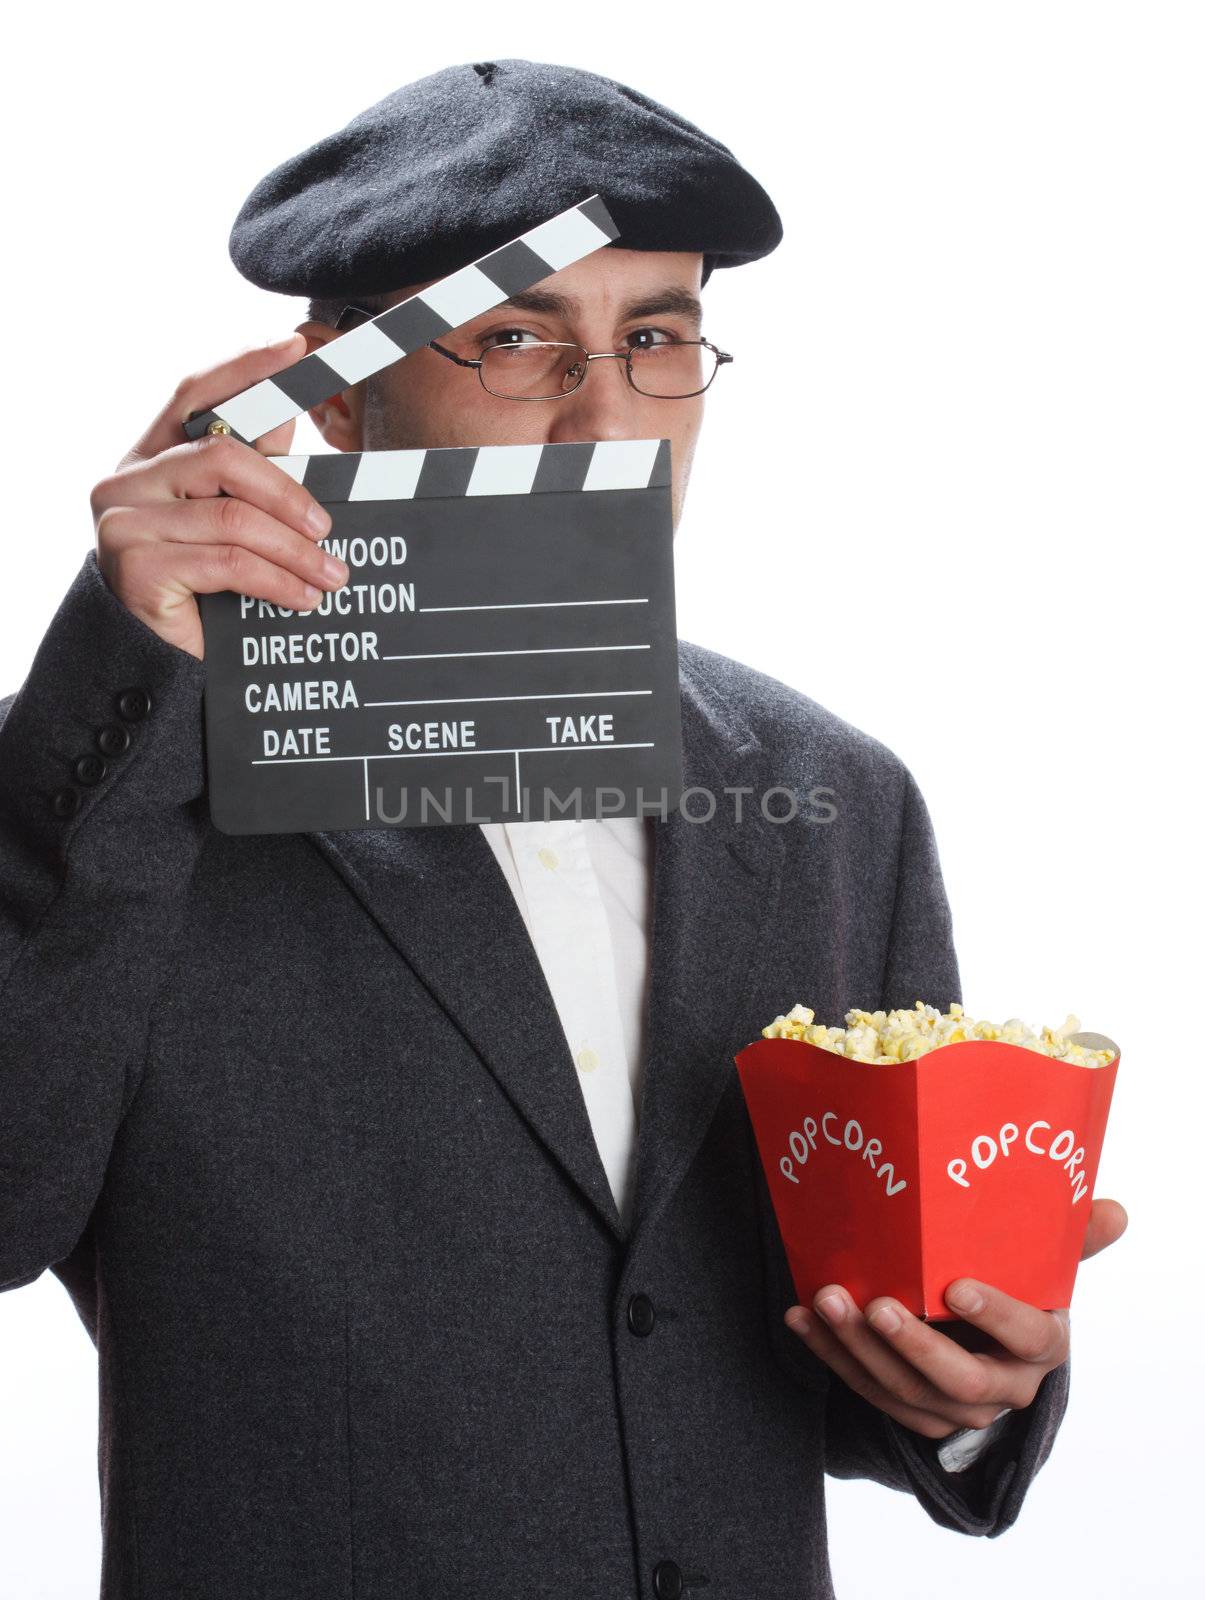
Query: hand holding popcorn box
[910, 1148]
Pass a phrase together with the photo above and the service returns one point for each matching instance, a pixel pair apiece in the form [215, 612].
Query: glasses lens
[532, 371]
[673, 370]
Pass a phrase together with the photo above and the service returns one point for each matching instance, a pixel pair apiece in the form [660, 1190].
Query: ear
[338, 419]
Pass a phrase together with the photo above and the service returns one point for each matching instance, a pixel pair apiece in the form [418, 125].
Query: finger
[1107, 1221]
[221, 521]
[1025, 1331]
[209, 387]
[921, 1367]
[277, 441]
[155, 578]
[953, 1365]
[215, 466]
[823, 1342]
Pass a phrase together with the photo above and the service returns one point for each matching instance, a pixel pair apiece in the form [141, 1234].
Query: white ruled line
[548, 650]
[433, 755]
[480, 699]
[525, 605]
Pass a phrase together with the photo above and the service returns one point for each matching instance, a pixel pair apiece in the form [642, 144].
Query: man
[387, 1301]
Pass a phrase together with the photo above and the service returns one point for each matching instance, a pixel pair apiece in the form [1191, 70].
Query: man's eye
[508, 336]
[642, 334]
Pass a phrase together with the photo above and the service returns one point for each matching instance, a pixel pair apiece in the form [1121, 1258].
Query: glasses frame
[722, 356]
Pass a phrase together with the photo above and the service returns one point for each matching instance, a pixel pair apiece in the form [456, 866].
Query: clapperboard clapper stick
[409, 325]
[505, 647]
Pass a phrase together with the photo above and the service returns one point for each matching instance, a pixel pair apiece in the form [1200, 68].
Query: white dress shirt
[584, 890]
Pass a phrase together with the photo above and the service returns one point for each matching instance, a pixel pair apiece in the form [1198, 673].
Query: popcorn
[982, 1162]
[882, 1037]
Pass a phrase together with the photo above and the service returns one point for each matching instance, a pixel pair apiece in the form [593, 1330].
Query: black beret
[448, 168]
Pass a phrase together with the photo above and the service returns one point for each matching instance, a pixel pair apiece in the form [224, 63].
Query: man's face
[602, 302]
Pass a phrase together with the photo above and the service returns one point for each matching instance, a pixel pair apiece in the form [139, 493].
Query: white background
[951, 488]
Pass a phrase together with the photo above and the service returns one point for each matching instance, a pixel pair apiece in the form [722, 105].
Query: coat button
[667, 1580]
[641, 1318]
[65, 802]
[89, 770]
[133, 705]
[112, 739]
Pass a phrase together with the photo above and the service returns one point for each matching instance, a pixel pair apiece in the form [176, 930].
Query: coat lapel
[439, 895]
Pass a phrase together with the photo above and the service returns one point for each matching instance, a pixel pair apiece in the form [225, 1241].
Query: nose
[603, 406]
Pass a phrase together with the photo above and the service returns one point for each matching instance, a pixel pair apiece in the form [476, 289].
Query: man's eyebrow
[670, 301]
[666, 302]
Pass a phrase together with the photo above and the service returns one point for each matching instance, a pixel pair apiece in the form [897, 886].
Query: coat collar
[439, 895]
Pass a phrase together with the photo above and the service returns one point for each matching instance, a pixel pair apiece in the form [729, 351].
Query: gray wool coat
[293, 1120]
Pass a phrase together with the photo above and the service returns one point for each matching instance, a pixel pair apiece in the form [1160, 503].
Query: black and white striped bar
[406, 327]
[486, 470]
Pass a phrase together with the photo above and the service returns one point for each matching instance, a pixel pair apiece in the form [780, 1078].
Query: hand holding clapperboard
[505, 646]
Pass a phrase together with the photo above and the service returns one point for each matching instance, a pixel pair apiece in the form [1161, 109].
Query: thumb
[1107, 1221]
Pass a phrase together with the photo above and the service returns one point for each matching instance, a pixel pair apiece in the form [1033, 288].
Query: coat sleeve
[100, 822]
[861, 1440]
[921, 962]
[984, 1500]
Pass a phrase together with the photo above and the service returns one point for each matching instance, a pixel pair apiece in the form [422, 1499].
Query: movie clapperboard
[505, 647]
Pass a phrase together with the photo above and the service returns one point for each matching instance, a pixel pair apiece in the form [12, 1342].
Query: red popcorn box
[976, 1159]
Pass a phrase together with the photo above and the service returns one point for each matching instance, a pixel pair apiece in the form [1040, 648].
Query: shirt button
[667, 1580]
[548, 858]
[587, 1059]
[641, 1318]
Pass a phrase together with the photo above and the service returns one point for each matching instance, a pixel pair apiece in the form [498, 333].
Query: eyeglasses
[552, 369]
